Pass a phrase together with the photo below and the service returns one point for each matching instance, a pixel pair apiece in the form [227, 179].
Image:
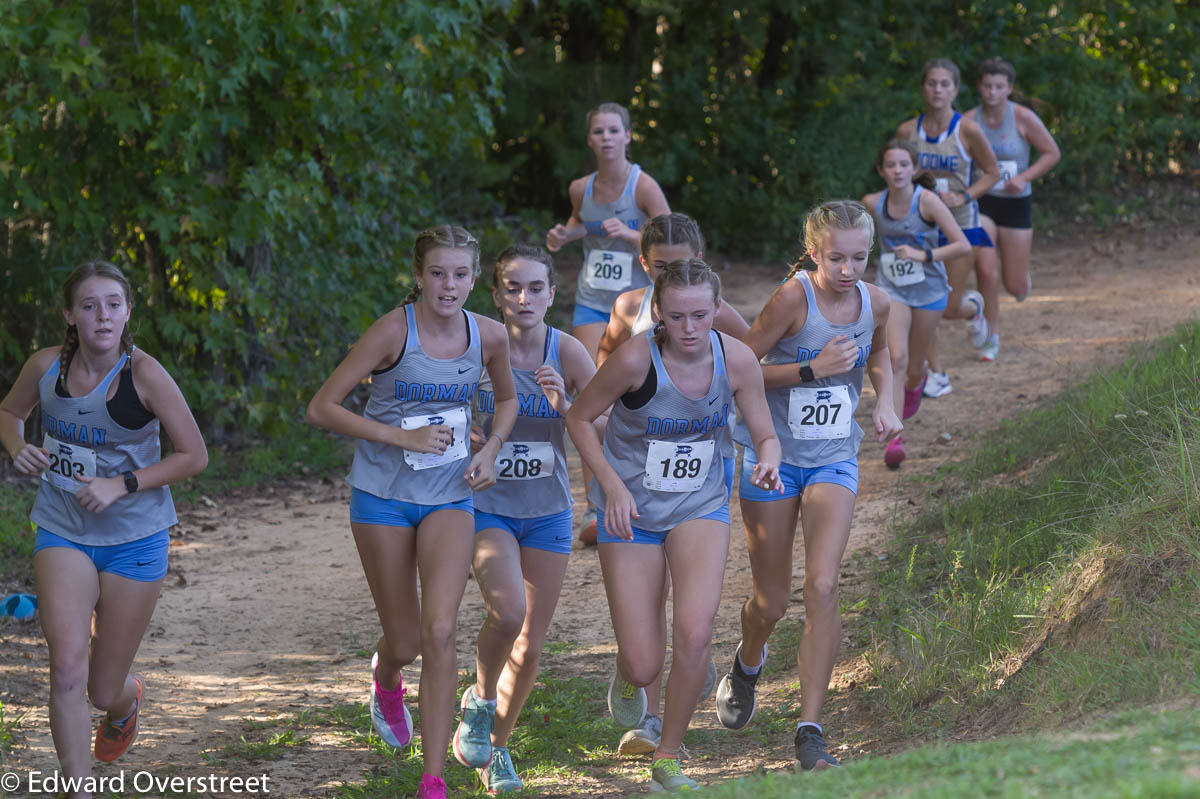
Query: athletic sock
[812, 724]
[750, 671]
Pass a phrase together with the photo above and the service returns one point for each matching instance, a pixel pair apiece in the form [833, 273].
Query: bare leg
[498, 572]
[543, 572]
[590, 335]
[696, 551]
[920, 339]
[987, 275]
[898, 324]
[1014, 246]
[770, 533]
[633, 581]
[389, 559]
[828, 509]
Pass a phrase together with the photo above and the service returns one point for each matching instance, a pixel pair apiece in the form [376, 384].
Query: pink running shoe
[431, 787]
[894, 455]
[389, 715]
[912, 398]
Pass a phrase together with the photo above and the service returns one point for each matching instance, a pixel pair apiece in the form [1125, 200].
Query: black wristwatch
[131, 483]
[928, 255]
[806, 372]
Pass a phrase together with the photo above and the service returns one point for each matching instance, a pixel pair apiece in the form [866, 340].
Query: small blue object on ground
[19, 606]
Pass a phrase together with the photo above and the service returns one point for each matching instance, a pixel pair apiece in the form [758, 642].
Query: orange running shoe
[113, 739]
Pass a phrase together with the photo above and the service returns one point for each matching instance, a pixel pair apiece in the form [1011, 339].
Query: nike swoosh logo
[139, 563]
[561, 537]
[81, 413]
[859, 333]
[714, 399]
[460, 371]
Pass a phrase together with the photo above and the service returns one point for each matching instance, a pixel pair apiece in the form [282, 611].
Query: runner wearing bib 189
[1011, 128]
[102, 510]
[907, 218]
[523, 522]
[413, 476]
[661, 487]
[816, 336]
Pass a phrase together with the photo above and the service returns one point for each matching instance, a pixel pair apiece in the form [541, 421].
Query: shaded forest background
[259, 168]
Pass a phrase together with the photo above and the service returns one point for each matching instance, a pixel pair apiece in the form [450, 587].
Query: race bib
[1007, 170]
[678, 467]
[901, 272]
[820, 413]
[456, 420]
[67, 463]
[608, 271]
[525, 460]
[941, 185]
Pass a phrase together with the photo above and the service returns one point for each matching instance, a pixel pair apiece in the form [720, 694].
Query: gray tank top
[610, 266]
[1011, 149]
[666, 452]
[531, 469]
[84, 439]
[815, 421]
[643, 323]
[914, 284]
[944, 157]
[416, 391]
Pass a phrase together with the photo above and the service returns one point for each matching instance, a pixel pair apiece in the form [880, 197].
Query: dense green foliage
[258, 167]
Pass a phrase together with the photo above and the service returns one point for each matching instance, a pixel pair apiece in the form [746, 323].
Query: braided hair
[832, 215]
[71, 340]
[686, 272]
[451, 236]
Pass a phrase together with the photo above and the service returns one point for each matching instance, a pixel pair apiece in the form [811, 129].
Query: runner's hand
[478, 439]
[481, 471]
[557, 237]
[432, 439]
[907, 253]
[616, 229]
[1016, 184]
[32, 460]
[100, 492]
[553, 387]
[836, 358]
[953, 199]
[766, 476]
[619, 513]
[887, 424]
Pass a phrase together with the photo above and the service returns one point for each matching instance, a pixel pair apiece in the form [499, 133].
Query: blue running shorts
[588, 316]
[658, 537]
[367, 508]
[144, 560]
[551, 533]
[796, 478]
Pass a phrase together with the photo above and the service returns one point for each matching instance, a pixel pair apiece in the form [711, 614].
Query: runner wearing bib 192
[102, 510]
[907, 218]
[816, 336]
[663, 494]
[413, 477]
[523, 522]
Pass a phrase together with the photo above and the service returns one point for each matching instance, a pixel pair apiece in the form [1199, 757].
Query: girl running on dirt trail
[1011, 128]
[523, 523]
[103, 508]
[948, 147]
[816, 336]
[410, 508]
[911, 271]
[666, 238]
[663, 498]
[608, 210]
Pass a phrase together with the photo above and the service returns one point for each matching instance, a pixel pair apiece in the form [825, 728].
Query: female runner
[816, 335]
[523, 523]
[608, 210]
[948, 146]
[666, 238]
[665, 506]
[911, 271]
[1011, 128]
[102, 510]
[410, 508]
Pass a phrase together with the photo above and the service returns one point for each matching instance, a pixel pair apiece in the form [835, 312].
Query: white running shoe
[937, 384]
[977, 326]
[990, 350]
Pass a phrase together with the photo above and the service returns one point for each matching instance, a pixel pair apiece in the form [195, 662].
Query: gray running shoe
[735, 695]
[626, 701]
[666, 776]
[710, 681]
[978, 329]
[810, 750]
[499, 776]
[642, 740]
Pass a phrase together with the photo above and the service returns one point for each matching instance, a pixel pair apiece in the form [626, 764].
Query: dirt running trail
[265, 612]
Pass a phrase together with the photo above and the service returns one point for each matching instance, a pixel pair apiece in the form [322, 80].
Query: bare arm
[985, 158]
[481, 470]
[574, 229]
[879, 369]
[619, 325]
[729, 321]
[1030, 125]
[20, 401]
[747, 382]
[933, 209]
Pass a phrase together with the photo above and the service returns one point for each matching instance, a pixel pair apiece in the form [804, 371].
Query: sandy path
[266, 613]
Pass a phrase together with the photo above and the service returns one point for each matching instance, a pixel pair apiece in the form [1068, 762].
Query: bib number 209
[609, 271]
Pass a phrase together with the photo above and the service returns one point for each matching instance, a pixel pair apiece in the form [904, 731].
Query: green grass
[1099, 482]
[8, 731]
[16, 534]
[270, 747]
[1142, 754]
